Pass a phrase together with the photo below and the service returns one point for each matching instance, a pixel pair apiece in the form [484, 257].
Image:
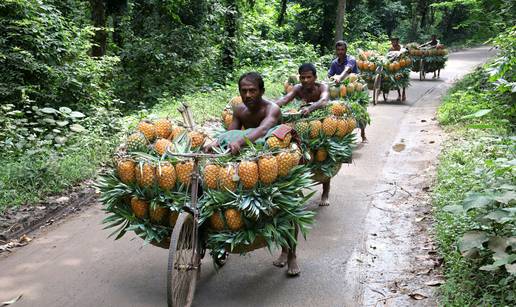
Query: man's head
[251, 88]
[434, 37]
[395, 41]
[341, 47]
[307, 74]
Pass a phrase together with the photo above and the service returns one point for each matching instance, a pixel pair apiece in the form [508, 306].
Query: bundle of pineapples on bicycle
[326, 134]
[395, 73]
[256, 198]
[145, 188]
[434, 56]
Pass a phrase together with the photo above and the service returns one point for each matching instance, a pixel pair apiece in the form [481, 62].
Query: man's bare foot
[403, 98]
[282, 260]
[364, 140]
[399, 99]
[324, 202]
[293, 268]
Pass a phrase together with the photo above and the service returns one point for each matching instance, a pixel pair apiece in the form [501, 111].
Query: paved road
[73, 264]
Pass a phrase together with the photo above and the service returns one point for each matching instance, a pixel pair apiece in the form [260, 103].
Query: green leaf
[476, 200]
[76, 114]
[477, 114]
[498, 245]
[501, 216]
[511, 268]
[507, 197]
[472, 239]
[455, 209]
[62, 123]
[48, 110]
[77, 128]
[65, 110]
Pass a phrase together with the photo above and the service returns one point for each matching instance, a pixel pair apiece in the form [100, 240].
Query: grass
[481, 141]
[30, 178]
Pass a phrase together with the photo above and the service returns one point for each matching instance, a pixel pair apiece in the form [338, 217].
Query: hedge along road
[74, 264]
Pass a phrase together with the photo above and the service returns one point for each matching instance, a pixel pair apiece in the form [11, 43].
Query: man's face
[307, 79]
[394, 42]
[341, 52]
[250, 93]
[434, 38]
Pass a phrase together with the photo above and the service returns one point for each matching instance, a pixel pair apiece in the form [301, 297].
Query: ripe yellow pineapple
[196, 138]
[176, 131]
[284, 163]
[211, 173]
[216, 221]
[161, 146]
[140, 207]
[352, 124]
[145, 174]
[342, 128]
[159, 214]
[184, 171]
[227, 118]
[315, 128]
[268, 169]
[126, 170]
[163, 128]
[321, 155]
[235, 101]
[338, 109]
[329, 126]
[226, 175]
[248, 173]
[273, 142]
[234, 219]
[147, 128]
[295, 157]
[136, 142]
[173, 218]
[166, 176]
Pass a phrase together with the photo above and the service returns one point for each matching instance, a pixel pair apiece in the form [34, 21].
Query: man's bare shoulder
[272, 107]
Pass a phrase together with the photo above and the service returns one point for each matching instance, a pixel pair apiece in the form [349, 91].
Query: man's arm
[289, 97]
[331, 71]
[235, 124]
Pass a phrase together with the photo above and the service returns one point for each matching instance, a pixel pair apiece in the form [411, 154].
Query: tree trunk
[98, 16]
[230, 43]
[283, 11]
[339, 21]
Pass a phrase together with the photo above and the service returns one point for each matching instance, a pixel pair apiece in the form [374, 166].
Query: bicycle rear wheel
[183, 263]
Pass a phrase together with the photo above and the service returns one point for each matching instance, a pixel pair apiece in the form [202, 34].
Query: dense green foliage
[475, 195]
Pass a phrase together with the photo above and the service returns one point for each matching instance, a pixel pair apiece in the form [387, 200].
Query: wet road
[73, 264]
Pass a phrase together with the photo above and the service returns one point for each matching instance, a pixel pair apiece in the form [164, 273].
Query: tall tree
[283, 11]
[230, 29]
[339, 22]
[98, 16]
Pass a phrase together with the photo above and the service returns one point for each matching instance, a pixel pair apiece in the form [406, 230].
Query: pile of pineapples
[247, 201]
[146, 188]
[255, 199]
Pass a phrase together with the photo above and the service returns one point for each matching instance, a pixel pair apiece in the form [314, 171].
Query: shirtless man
[312, 92]
[260, 114]
[395, 46]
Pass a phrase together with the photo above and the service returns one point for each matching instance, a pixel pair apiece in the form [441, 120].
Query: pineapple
[352, 124]
[338, 109]
[268, 169]
[163, 128]
[145, 174]
[196, 138]
[176, 131]
[234, 219]
[235, 101]
[173, 218]
[227, 118]
[211, 173]
[161, 146]
[248, 172]
[136, 142]
[147, 128]
[295, 157]
[125, 169]
[342, 128]
[166, 176]
[273, 142]
[303, 128]
[329, 126]
[140, 207]
[158, 214]
[226, 175]
[284, 163]
[184, 171]
[315, 128]
[216, 221]
[321, 154]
